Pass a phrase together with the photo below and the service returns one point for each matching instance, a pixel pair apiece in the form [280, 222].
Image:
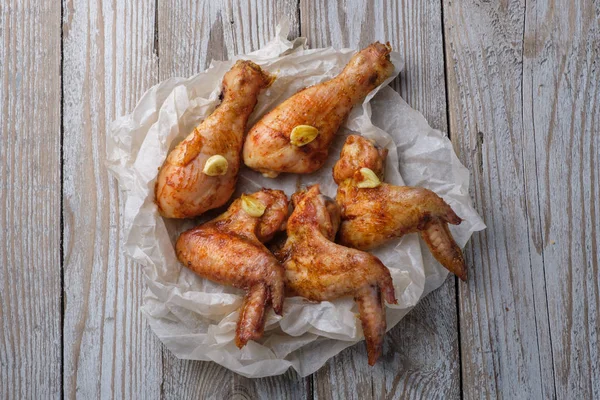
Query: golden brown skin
[230, 250]
[373, 216]
[182, 190]
[324, 106]
[318, 269]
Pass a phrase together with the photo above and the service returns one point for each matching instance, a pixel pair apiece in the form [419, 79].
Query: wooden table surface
[515, 83]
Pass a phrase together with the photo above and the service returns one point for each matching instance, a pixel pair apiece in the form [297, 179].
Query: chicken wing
[229, 250]
[295, 136]
[201, 172]
[378, 212]
[318, 269]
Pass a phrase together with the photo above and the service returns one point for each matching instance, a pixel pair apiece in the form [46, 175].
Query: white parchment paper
[196, 318]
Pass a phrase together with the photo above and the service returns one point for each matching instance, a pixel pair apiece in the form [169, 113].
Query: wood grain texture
[30, 315]
[523, 86]
[109, 61]
[503, 317]
[561, 91]
[191, 34]
[185, 379]
[421, 358]
[523, 79]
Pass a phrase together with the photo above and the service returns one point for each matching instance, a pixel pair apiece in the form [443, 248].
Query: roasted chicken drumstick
[201, 172]
[374, 212]
[295, 136]
[229, 250]
[318, 269]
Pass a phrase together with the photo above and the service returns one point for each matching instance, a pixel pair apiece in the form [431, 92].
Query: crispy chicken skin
[324, 106]
[373, 216]
[182, 189]
[318, 269]
[230, 250]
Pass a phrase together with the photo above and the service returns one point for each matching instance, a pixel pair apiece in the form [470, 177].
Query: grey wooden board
[498, 315]
[193, 33]
[561, 87]
[523, 87]
[420, 357]
[30, 316]
[109, 61]
[190, 35]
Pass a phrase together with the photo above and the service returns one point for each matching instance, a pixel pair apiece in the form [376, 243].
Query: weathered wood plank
[30, 285]
[421, 357]
[184, 379]
[503, 317]
[109, 61]
[523, 88]
[191, 34]
[561, 85]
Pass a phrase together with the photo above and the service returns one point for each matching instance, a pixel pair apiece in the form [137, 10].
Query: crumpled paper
[196, 318]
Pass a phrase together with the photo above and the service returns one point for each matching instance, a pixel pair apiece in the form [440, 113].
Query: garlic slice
[215, 165]
[303, 134]
[252, 206]
[370, 179]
